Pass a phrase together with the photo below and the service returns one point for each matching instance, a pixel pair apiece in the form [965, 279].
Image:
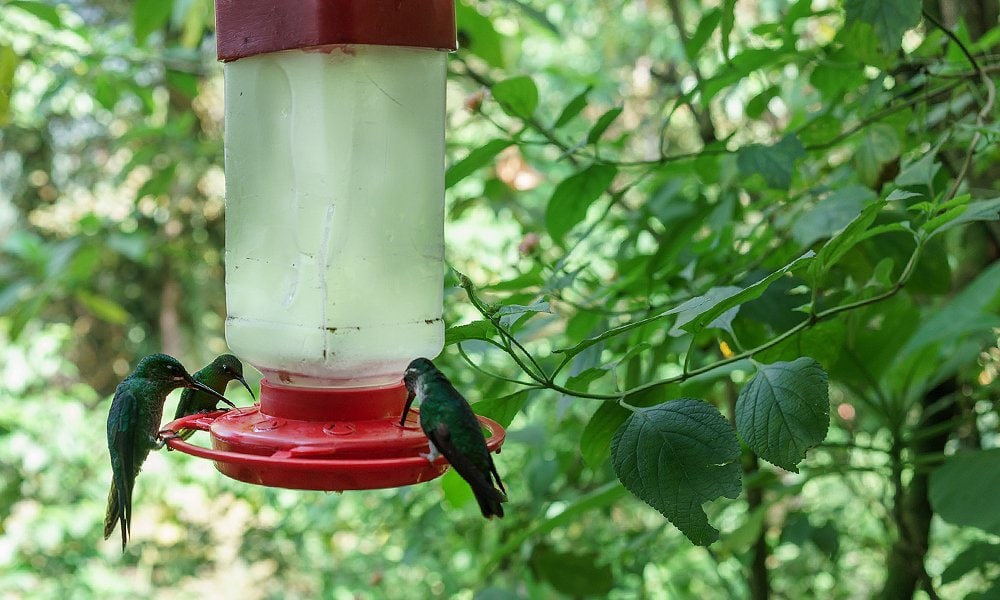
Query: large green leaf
[981, 210]
[831, 214]
[889, 18]
[784, 411]
[677, 456]
[574, 195]
[776, 164]
[964, 490]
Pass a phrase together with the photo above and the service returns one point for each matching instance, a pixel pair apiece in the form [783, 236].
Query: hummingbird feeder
[334, 151]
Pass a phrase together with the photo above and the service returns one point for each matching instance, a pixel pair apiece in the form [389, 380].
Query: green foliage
[964, 489]
[675, 457]
[783, 211]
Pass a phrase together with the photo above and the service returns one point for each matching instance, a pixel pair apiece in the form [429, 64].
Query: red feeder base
[320, 439]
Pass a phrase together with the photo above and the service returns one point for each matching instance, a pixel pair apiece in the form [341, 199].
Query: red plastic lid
[320, 439]
[248, 27]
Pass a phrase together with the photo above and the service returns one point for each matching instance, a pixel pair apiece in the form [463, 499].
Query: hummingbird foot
[432, 455]
[163, 436]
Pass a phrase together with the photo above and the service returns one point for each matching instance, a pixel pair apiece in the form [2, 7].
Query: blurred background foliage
[607, 161]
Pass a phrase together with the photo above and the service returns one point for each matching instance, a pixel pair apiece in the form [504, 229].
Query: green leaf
[776, 164]
[879, 145]
[920, 172]
[784, 411]
[675, 457]
[889, 18]
[473, 161]
[457, 492]
[518, 96]
[689, 310]
[704, 310]
[964, 490]
[602, 124]
[831, 214]
[595, 441]
[981, 210]
[103, 308]
[574, 350]
[573, 108]
[149, 16]
[477, 35]
[8, 65]
[41, 10]
[575, 574]
[726, 26]
[709, 21]
[836, 247]
[504, 409]
[977, 557]
[574, 195]
[477, 330]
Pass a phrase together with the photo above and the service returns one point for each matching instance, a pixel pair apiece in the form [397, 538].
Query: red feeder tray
[320, 439]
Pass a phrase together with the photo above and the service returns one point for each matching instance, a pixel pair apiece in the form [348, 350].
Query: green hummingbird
[216, 375]
[454, 431]
[133, 425]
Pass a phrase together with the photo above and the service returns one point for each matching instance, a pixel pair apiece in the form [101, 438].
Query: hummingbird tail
[490, 502]
[111, 516]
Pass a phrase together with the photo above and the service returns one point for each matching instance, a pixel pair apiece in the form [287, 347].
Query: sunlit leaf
[475, 160]
[517, 96]
[574, 195]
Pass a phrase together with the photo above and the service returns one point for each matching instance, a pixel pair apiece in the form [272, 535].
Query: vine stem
[546, 382]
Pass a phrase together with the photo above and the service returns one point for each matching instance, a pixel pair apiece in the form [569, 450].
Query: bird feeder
[334, 152]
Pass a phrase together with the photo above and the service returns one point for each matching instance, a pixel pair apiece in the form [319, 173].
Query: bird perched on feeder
[133, 425]
[454, 431]
[216, 375]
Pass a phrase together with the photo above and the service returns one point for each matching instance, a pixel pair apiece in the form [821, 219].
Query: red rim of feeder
[248, 27]
[320, 439]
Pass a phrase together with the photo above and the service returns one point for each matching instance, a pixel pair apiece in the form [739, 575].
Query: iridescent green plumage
[133, 425]
[454, 431]
[216, 375]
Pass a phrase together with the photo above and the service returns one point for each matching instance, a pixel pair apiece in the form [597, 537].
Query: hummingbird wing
[123, 429]
[183, 405]
[489, 497]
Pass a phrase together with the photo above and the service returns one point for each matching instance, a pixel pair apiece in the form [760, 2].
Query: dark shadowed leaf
[889, 18]
[576, 574]
[675, 457]
[784, 411]
[595, 442]
[964, 490]
[776, 164]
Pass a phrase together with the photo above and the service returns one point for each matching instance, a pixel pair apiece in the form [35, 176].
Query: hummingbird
[133, 425]
[216, 375]
[453, 430]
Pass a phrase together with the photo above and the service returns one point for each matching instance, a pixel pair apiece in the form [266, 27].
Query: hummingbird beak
[191, 383]
[247, 386]
[406, 409]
